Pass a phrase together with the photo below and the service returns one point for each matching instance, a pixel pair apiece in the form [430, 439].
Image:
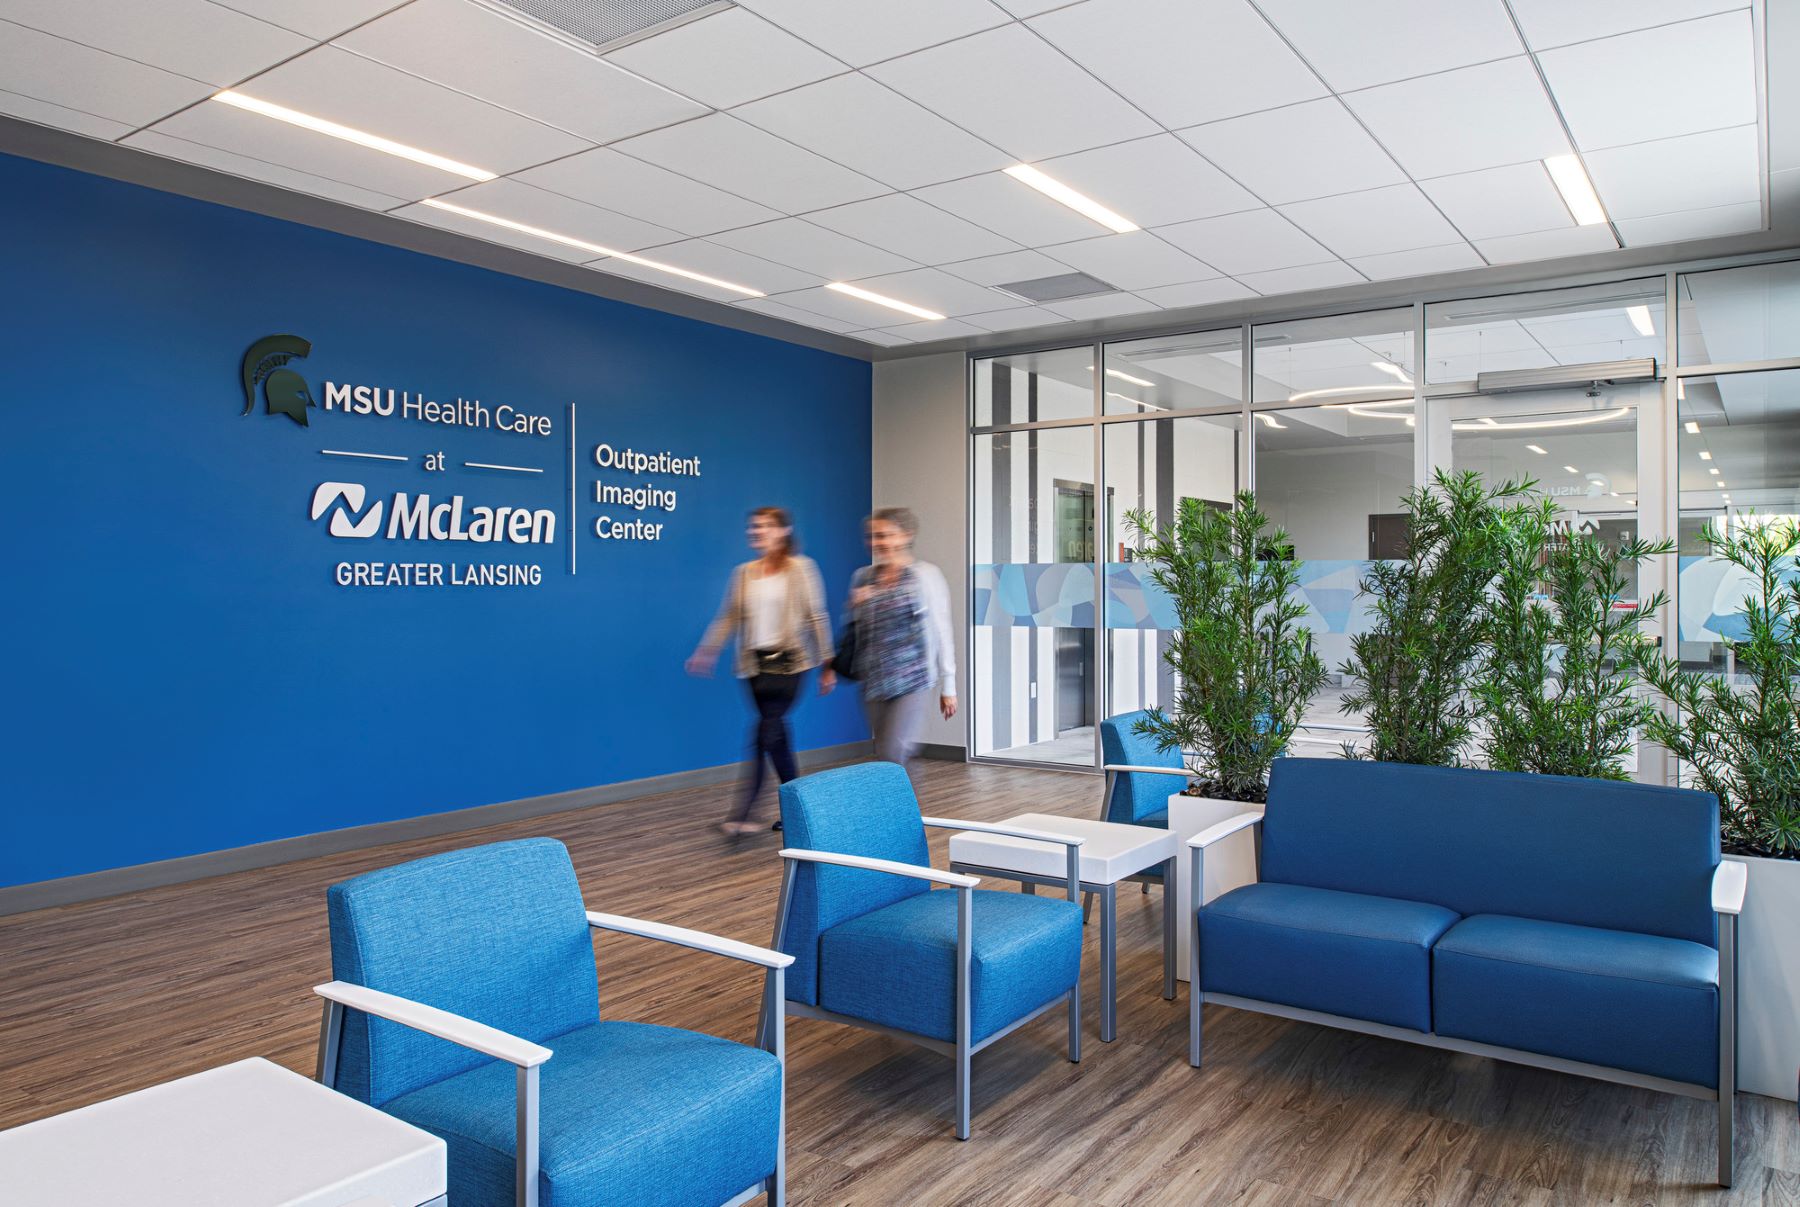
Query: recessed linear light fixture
[1056, 190]
[1641, 320]
[361, 138]
[1571, 469]
[1713, 470]
[1136, 381]
[879, 299]
[1539, 451]
[1705, 456]
[539, 232]
[1693, 429]
[1571, 180]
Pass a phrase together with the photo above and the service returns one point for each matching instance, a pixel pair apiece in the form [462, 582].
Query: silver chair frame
[1725, 1094]
[964, 1049]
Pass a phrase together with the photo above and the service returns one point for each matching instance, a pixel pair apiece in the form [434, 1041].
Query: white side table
[1112, 852]
[249, 1134]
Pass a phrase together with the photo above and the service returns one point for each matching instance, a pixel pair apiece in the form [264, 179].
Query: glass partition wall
[1630, 424]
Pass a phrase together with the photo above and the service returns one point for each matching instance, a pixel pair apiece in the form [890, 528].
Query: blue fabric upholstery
[1617, 856]
[869, 810]
[630, 1115]
[1350, 954]
[897, 965]
[1627, 1001]
[494, 933]
[1141, 800]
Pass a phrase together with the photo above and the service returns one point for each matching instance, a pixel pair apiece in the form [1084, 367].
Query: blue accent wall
[183, 674]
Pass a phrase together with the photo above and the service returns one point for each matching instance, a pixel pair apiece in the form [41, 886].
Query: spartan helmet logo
[284, 390]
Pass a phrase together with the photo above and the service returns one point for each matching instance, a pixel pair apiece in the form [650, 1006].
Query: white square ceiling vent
[1061, 288]
[605, 24]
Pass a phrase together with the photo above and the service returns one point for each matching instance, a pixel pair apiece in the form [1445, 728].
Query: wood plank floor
[115, 995]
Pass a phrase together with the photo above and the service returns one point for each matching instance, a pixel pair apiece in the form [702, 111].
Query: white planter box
[1230, 863]
[1769, 978]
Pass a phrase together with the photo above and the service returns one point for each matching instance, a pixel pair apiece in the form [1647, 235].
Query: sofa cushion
[629, 1114]
[1350, 954]
[1605, 997]
[897, 965]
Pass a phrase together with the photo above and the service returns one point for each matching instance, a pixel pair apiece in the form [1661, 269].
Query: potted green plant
[1409, 671]
[1556, 690]
[1738, 736]
[1244, 668]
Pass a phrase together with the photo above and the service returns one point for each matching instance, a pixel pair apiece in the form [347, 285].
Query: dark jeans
[773, 696]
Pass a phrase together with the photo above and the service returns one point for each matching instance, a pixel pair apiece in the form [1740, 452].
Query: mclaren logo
[344, 500]
[417, 518]
[284, 391]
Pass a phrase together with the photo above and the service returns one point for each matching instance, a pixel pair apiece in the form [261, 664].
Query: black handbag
[844, 661]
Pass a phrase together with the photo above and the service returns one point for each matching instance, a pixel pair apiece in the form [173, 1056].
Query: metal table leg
[1109, 962]
[1169, 930]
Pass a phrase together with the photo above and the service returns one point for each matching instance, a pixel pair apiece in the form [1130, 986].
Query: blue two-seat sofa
[1573, 924]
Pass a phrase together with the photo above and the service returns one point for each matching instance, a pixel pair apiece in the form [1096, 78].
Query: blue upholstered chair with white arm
[874, 947]
[466, 1003]
[1139, 777]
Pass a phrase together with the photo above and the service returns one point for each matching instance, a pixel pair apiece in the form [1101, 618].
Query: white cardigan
[940, 641]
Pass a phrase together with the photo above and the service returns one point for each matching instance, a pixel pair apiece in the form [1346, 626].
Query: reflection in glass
[1621, 320]
[1738, 314]
[1194, 371]
[1033, 386]
[1346, 358]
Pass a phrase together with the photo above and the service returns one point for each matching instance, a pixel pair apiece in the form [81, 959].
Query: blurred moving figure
[774, 607]
[904, 651]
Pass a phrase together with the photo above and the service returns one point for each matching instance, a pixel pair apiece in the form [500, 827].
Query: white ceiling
[1265, 146]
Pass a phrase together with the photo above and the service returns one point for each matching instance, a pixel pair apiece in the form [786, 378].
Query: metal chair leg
[1087, 907]
[1195, 997]
[965, 909]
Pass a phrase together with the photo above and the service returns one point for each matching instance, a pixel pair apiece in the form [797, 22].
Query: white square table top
[1112, 851]
[249, 1134]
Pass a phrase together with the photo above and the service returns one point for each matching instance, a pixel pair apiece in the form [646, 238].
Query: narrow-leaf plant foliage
[1557, 690]
[1243, 661]
[1742, 743]
[1409, 671]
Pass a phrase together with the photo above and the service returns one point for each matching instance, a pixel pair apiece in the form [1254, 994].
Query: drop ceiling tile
[1372, 223]
[1007, 268]
[1139, 260]
[1256, 241]
[1545, 245]
[425, 215]
[1419, 262]
[1314, 149]
[1199, 293]
[1306, 276]
[1694, 172]
[909, 227]
[735, 156]
[189, 37]
[835, 118]
[1016, 319]
[924, 333]
[886, 339]
[1692, 224]
[1152, 181]
[1550, 23]
[72, 76]
[1009, 87]
[479, 52]
[794, 314]
[45, 114]
[730, 264]
[1150, 51]
[256, 169]
[861, 34]
[726, 58]
[1513, 200]
[800, 244]
[258, 137]
[1101, 307]
[518, 202]
[317, 19]
[1030, 8]
[607, 178]
[347, 88]
[666, 280]
[1001, 204]
[937, 290]
[841, 306]
[1379, 41]
[1458, 121]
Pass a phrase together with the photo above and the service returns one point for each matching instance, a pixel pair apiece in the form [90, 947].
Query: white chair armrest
[988, 827]
[489, 1041]
[681, 936]
[1729, 881]
[1224, 829]
[954, 879]
[1183, 772]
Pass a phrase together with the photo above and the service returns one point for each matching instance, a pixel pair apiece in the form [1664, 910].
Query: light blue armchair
[465, 1002]
[874, 947]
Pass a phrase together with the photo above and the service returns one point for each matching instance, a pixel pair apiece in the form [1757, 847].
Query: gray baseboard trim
[69, 890]
[947, 754]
